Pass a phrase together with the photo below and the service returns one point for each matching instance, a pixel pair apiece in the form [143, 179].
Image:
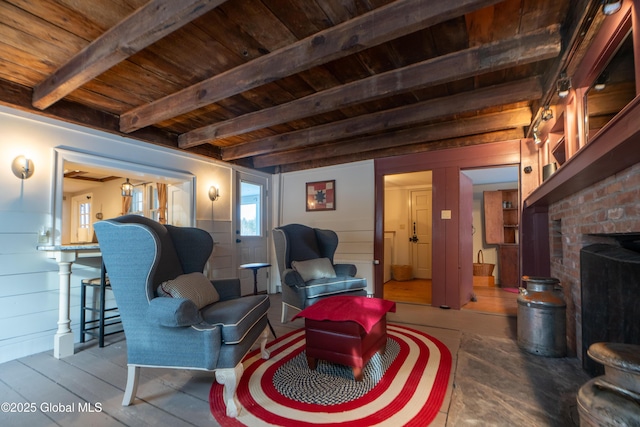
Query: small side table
[255, 266]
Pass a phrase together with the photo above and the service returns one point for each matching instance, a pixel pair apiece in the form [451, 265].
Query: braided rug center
[331, 383]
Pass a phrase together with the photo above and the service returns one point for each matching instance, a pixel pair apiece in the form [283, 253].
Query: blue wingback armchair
[186, 330]
[307, 272]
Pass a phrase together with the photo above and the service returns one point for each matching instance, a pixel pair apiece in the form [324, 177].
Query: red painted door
[465, 257]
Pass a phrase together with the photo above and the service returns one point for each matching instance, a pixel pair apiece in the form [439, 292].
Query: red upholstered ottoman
[346, 330]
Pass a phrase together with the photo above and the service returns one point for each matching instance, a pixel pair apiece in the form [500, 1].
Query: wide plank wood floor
[488, 299]
[493, 300]
[86, 389]
[415, 291]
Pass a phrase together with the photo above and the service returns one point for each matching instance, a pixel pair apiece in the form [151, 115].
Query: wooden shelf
[612, 150]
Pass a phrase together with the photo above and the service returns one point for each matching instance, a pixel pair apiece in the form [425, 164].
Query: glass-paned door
[251, 229]
[81, 227]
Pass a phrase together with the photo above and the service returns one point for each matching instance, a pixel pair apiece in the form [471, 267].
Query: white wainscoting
[352, 220]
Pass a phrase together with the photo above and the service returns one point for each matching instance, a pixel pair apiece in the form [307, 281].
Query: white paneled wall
[221, 264]
[28, 279]
[352, 220]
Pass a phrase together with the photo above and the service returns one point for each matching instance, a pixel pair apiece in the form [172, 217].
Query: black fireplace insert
[610, 283]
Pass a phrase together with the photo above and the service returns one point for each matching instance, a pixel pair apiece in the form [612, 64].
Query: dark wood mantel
[615, 148]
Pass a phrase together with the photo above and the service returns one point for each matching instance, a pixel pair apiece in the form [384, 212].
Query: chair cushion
[319, 268]
[236, 316]
[329, 286]
[193, 286]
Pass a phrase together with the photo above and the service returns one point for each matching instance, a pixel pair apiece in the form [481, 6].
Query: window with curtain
[145, 201]
[137, 200]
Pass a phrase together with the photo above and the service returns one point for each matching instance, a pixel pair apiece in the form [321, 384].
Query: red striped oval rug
[404, 387]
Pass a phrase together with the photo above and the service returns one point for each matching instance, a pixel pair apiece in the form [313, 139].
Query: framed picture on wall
[321, 196]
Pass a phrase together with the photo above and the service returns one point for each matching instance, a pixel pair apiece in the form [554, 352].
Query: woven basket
[401, 272]
[480, 268]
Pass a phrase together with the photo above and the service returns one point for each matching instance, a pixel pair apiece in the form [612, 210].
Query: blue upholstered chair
[185, 328]
[307, 272]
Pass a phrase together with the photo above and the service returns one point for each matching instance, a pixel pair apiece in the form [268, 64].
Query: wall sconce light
[563, 85]
[609, 7]
[22, 167]
[214, 193]
[547, 114]
[127, 189]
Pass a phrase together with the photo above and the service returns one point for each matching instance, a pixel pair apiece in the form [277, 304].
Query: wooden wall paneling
[465, 239]
[528, 181]
[440, 241]
[452, 236]
[534, 243]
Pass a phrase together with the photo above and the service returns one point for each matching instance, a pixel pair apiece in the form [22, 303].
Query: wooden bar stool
[96, 327]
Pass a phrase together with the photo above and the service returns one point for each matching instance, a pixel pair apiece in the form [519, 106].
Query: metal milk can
[612, 399]
[542, 317]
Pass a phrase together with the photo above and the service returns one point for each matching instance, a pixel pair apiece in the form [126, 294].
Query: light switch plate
[445, 214]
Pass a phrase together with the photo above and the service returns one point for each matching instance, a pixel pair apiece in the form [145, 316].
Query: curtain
[126, 204]
[162, 203]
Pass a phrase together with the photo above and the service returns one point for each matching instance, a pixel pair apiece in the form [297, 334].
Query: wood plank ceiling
[283, 85]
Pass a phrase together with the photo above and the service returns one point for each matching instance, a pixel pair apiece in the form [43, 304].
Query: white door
[81, 225]
[178, 207]
[251, 223]
[421, 226]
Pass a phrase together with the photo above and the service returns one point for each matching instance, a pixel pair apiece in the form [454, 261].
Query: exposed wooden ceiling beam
[535, 46]
[507, 93]
[80, 175]
[17, 96]
[145, 26]
[510, 119]
[485, 138]
[394, 20]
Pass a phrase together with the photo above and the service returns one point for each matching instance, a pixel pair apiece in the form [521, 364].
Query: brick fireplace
[590, 216]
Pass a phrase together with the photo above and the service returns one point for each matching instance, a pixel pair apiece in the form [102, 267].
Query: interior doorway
[401, 192]
[487, 180]
[448, 254]
[408, 242]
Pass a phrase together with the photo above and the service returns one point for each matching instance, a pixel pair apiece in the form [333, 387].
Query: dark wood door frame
[445, 166]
